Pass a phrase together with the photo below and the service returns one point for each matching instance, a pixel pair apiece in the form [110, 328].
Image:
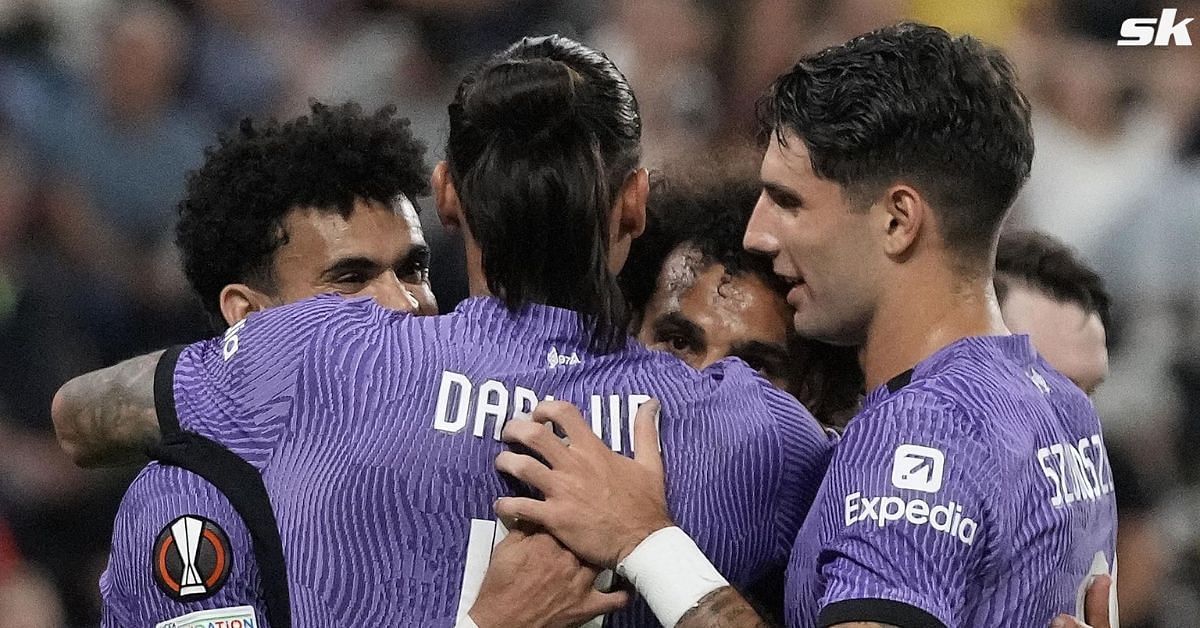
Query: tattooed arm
[723, 608]
[107, 417]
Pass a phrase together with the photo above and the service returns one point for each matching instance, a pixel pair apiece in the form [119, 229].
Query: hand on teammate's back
[533, 580]
[598, 503]
[1095, 607]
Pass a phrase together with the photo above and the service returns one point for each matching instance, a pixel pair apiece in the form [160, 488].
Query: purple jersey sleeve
[145, 581]
[911, 480]
[239, 389]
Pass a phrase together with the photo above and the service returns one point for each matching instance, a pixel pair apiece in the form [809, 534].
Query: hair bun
[527, 96]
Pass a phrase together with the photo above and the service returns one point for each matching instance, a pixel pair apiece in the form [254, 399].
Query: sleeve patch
[192, 559]
[232, 617]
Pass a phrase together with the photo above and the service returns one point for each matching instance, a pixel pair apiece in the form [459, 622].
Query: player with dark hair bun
[543, 140]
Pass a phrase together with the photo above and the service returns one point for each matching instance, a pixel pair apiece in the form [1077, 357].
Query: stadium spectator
[1047, 292]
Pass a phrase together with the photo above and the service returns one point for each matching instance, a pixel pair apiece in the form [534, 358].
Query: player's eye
[351, 279]
[784, 200]
[416, 272]
[677, 343]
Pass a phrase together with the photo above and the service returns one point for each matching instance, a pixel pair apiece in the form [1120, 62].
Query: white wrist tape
[670, 573]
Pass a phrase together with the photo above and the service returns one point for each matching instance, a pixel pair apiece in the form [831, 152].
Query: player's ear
[239, 301]
[445, 196]
[631, 205]
[905, 213]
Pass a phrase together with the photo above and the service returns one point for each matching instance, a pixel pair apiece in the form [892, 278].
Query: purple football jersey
[376, 432]
[973, 490]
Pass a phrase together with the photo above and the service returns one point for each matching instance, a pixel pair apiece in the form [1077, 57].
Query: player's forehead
[1027, 309]
[1070, 338]
[382, 232]
[737, 308]
[786, 160]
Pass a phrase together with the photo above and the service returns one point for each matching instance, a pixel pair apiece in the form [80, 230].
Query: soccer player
[696, 293]
[280, 212]
[375, 431]
[1048, 293]
[973, 488]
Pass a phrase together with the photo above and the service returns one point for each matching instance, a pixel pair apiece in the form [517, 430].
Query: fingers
[568, 419]
[537, 437]
[598, 603]
[526, 469]
[1095, 604]
[1066, 621]
[522, 509]
[645, 436]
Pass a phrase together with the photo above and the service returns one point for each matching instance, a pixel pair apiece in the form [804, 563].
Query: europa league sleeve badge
[192, 558]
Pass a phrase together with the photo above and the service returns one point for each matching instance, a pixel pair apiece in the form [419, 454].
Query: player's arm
[234, 387]
[107, 417]
[179, 549]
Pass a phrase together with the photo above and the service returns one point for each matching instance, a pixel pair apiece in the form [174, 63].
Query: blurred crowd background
[105, 104]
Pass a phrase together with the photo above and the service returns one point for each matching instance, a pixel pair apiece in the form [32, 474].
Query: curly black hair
[231, 217]
[912, 103]
[708, 211]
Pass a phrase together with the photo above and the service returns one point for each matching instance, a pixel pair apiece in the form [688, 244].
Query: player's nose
[393, 294]
[760, 233]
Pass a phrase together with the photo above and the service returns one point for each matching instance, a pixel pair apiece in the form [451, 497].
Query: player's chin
[809, 323]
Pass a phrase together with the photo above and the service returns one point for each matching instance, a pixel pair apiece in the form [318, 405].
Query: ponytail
[538, 155]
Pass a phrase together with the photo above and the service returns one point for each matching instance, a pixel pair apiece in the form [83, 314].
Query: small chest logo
[192, 558]
[918, 468]
[1039, 381]
[555, 359]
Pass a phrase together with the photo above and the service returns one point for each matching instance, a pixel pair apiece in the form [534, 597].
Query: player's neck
[918, 320]
[477, 285]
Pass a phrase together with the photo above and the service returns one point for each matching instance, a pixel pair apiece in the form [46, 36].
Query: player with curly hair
[278, 212]
[696, 293]
[281, 211]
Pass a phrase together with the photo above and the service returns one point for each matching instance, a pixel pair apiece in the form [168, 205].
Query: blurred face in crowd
[142, 57]
[818, 243]
[702, 314]
[379, 251]
[1069, 338]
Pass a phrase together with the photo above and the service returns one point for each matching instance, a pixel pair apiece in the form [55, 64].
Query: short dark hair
[1052, 268]
[231, 217]
[912, 103]
[542, 137]
[707, 211]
